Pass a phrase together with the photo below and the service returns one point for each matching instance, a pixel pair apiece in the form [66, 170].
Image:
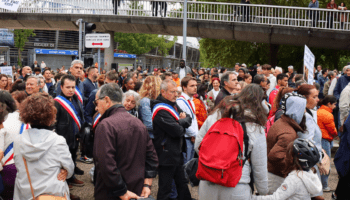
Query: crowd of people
[135, 125]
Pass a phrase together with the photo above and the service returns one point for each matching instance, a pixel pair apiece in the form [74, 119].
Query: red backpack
[221, 153]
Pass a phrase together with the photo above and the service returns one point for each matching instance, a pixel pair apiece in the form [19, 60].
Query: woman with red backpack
[247, 109]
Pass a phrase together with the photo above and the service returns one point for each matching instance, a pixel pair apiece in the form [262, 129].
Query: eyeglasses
[95, 101]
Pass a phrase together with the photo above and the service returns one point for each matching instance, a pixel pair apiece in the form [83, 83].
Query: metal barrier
[210, 11]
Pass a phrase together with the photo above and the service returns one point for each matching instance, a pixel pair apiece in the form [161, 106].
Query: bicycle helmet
[306, 152]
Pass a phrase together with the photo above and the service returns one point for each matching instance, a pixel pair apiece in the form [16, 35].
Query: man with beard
[90, 82]
[183, 70]
[48, 80]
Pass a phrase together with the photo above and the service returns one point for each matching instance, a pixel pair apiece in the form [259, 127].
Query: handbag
[191, 168]
[326, 162]
[44, 196]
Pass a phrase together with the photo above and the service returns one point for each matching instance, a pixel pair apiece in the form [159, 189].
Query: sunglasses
[95, 101]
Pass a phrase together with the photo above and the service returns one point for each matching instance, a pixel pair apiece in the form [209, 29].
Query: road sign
[97, 40]
[56, 52]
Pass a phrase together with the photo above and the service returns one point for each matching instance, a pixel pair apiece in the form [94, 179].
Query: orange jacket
[177, 81]
[201, 112]
[325, 121]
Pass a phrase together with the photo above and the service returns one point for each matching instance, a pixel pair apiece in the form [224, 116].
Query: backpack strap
[246, 143]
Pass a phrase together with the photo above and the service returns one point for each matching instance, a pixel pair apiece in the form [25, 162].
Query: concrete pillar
[57, 38]
[109, 53]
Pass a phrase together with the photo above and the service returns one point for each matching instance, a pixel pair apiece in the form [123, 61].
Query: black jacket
[169, 139]
[33, 66]
[65, 124]
[222, 94]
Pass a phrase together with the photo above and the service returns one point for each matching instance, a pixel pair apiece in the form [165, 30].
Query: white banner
[10, 4]
[6, 70]
[309, 63]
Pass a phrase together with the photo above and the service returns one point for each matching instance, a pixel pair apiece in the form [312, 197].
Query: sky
[191, 41]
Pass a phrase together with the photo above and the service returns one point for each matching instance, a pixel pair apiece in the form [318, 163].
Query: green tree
[21, 37]
[139, 43]
[228, 52]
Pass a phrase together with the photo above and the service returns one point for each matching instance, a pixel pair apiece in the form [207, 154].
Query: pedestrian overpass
[243, 22]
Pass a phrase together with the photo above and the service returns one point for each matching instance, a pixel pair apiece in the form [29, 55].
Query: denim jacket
[145, 114]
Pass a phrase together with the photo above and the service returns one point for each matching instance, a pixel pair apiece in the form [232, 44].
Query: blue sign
[123, 55]
[56, 52]
[6, 37]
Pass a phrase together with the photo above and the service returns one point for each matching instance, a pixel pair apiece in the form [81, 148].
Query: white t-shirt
[272, 79]
[215, 93]
[182, 73]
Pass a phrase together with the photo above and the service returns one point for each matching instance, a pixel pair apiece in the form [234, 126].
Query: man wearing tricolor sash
[185, 102]
[76, 70]
[70, 119]
[169, 126]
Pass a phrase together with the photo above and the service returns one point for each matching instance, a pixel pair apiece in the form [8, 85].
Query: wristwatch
[149, 186]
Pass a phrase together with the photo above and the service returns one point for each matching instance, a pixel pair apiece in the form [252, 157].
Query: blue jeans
[327, 146]
[173, 193]
[189, 151]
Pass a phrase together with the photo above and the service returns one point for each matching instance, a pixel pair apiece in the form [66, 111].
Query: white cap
[290, 67]
[244, 65]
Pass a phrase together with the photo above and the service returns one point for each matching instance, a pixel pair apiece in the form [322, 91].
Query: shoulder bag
[41, 197]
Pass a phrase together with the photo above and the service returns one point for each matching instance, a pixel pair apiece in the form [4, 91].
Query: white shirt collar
[186, 96]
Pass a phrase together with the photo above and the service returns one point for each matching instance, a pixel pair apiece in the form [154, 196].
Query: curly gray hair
[135, 95]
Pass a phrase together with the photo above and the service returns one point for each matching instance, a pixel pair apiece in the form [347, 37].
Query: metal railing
[210, 11]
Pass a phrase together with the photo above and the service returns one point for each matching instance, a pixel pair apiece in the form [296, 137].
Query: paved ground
[86, 192]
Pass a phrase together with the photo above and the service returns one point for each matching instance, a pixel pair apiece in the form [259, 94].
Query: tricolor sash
[69, 107]
[78, 93]
[188, 104]
[8, 154]
[96, 120]
[167, 107]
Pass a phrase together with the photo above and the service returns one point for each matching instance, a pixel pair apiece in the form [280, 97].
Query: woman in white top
[12, 126]
[46, 153]
[240, 107]
[213, 93]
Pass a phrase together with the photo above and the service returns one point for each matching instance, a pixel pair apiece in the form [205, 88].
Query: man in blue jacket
[322, 79]
[90, 83]
[342, 82]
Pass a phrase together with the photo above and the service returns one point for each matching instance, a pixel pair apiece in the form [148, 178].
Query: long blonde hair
[150, 88]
